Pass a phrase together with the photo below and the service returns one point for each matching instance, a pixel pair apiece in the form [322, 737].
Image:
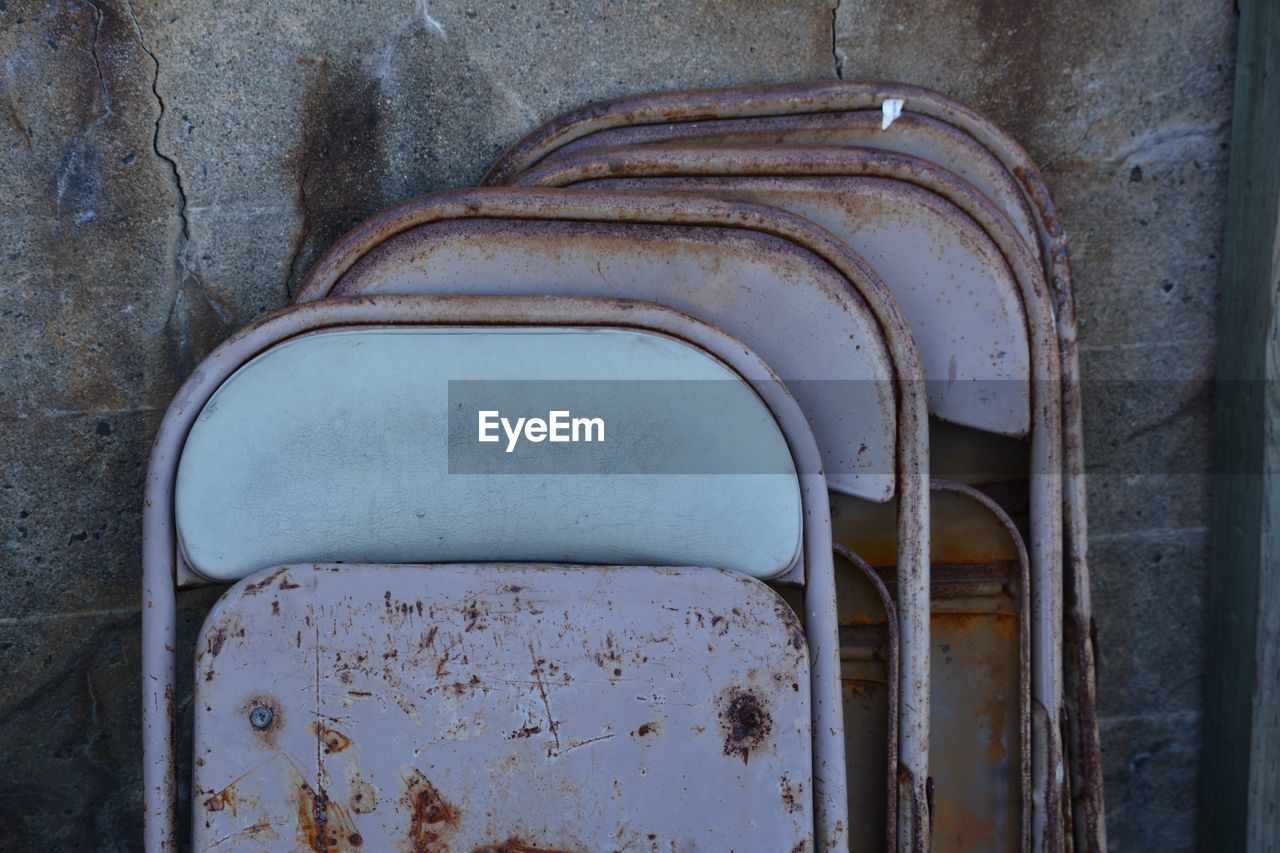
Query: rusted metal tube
[891, 665]
[159, 629]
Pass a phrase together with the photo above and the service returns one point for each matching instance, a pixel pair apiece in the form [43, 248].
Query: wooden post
[1240, 793]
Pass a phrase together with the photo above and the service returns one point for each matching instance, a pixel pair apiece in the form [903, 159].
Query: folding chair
[348, 697]
[980, 314]
[768, 278]
[935, 128]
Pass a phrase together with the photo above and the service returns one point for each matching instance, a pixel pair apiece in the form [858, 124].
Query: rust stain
[791, 620]
[324, 825]
[223, 800]
[218, 635]
[792, 795]
[339, 156]
[1082, 639]
[431, 815]
[216, 639]
[364, 796]
[459, 688]
[553, 725]
[258, 586]
[858, 688]
[260, 832]
[515, 845]
[331, 740]
[653, 727]
[746, 724]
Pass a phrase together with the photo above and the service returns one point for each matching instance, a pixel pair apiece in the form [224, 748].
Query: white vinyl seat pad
[464, 707]
[335, 446]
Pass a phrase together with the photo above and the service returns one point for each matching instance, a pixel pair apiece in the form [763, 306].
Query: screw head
[260, 716]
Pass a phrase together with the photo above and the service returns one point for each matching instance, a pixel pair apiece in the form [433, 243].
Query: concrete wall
[168, 172]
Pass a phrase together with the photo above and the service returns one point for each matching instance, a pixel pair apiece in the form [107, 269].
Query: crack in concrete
[93, 645]
[184, 238]
[432, 24]
[68, 615]
[97, 66]
[836, 54]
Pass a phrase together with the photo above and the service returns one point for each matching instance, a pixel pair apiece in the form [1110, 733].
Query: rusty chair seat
[468, 707]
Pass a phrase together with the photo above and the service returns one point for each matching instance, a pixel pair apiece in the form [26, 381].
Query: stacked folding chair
[822, 586]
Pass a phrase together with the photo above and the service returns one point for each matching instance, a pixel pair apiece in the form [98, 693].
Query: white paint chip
[891, 108]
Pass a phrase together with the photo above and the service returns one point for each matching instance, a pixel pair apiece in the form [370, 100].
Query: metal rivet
[260, 716]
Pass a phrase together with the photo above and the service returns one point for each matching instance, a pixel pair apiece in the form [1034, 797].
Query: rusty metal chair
[983, 322]
[915, 121]
[347, 698]
[770, 279]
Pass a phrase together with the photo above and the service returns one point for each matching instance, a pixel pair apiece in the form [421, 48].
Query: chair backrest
[959, 292]
[363, 445]
[981, 741]
[929, 125]
[340, 323]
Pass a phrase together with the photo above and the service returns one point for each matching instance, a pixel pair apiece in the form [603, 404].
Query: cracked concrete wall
[170, 171]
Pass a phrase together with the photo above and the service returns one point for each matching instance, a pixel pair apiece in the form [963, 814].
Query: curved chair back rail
[160, 537]
[911, 134]
[845, 96]
[962, 289]
[363, 446]
[885, 600]
[769, 102]
[412, 248]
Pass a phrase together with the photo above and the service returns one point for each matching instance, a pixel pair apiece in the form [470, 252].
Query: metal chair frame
[160, 563]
